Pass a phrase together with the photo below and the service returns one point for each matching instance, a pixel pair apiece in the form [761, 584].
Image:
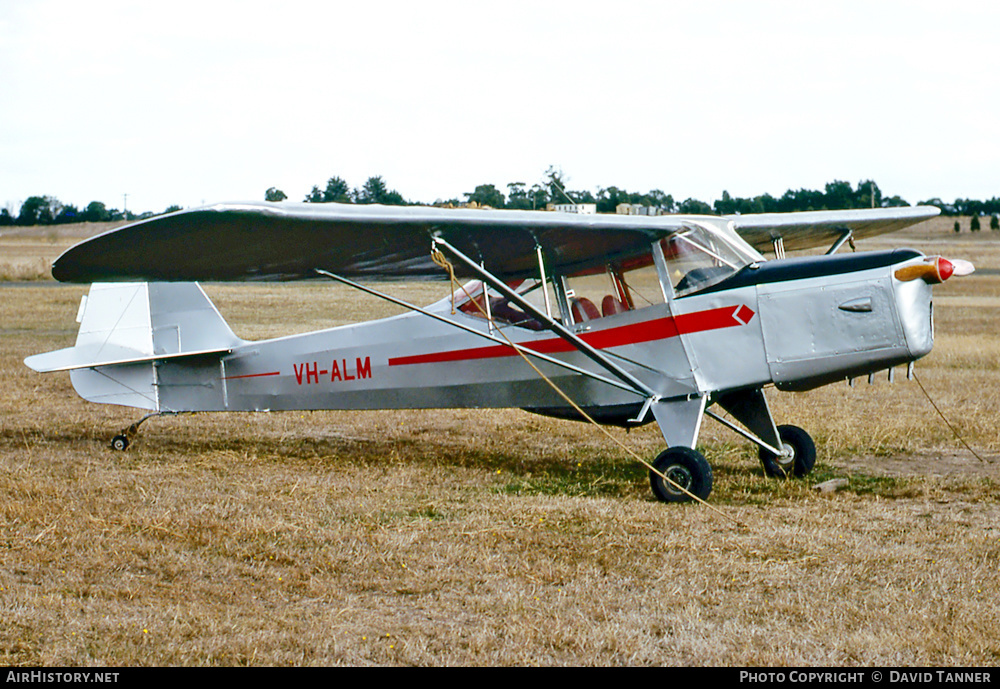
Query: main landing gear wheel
[120, 442]
[800, 460]
[685, 467]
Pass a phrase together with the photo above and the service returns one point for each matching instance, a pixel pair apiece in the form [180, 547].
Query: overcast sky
[191, 102]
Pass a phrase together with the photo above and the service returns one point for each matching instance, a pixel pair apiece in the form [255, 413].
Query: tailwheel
[800, 457]
[122, 441]
[687, 469]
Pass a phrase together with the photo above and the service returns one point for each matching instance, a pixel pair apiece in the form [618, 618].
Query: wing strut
[846, 235]
[594, 355]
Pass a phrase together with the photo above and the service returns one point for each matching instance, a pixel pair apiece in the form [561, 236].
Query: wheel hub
[680, 476]
[786, 460]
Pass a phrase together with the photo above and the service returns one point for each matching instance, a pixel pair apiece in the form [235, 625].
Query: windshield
[697, 259]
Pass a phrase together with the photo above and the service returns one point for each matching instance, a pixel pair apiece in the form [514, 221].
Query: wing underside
[810, 229]
[265, 241]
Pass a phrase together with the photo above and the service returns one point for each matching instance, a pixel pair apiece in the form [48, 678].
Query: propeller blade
[962, 267]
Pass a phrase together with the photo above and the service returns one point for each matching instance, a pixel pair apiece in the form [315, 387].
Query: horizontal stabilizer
[127, 327]
[94, 354]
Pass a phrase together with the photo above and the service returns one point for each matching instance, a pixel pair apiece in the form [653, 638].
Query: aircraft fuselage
[796, 323]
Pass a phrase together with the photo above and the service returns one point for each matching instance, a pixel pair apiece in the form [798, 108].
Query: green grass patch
[588, 478]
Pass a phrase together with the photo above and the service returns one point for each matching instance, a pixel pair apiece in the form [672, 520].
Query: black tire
[686, 467]
[120, 443]
[799, 463]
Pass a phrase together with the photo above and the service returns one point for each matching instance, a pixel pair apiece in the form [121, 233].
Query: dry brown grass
[26, 253]
[473, 537]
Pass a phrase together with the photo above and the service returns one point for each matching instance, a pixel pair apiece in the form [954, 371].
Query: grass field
[478, 537]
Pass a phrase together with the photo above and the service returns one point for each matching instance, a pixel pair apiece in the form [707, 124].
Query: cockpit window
[696, 260]
[500, 307]
[615, 288]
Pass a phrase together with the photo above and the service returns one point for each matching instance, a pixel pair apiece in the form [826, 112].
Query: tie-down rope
[440, 259]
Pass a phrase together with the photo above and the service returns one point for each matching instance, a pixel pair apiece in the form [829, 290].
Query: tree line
[48, 210]
[551, 189]
[836, 195]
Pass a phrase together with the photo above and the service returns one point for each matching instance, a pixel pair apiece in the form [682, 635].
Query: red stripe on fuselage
[253, 375]
[645, 331]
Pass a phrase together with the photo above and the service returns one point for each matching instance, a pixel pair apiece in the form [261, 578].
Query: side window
[613, 289]
[500, 308]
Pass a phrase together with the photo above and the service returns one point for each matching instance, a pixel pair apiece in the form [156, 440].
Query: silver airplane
[633, 318]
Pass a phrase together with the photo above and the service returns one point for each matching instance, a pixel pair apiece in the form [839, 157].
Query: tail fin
[125, 328]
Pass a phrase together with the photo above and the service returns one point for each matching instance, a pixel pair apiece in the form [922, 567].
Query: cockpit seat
[583, 310]
[611, 305]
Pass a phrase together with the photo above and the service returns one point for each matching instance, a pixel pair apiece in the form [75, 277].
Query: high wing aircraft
[633, 318]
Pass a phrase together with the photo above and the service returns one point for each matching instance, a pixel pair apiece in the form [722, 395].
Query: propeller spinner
[935, 269]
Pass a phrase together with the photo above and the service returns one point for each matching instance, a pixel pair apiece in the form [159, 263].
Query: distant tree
[95, 212]
[486, 195]
[581, 196]
[726, 205]
[974, 224]
[539, 196]
[609, 198]
[5, 217]
[994, 223]
[971, 207]
[373, 191]
[67, 214]
[958, 228]
[694, 207]
[376, 191]
[658, 199]
[39, 210]
[336, 191]
[894, 202]
[172, 209]
[274, 194]
[556, 183]
[517, 196]
[802, 200]
[839, 195]
[866, 191]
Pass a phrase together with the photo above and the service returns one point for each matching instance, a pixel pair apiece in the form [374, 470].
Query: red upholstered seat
[583, 310]
[611, 305]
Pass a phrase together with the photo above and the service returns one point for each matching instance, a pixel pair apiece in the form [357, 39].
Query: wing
[288, 241]
[817, 228]
[269, 241]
